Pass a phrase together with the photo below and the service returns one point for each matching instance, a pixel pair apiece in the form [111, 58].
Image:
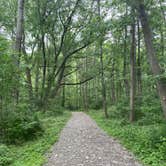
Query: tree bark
[104, 99]
[37, 72]
[132, 73]
[86, 85]
[28, 70]
[44, 65]
[151, 55]
[126, 82]
[63, 96]
[29, 83]
[113, 95]
[19, 32]
[139, 60]
[19, 29]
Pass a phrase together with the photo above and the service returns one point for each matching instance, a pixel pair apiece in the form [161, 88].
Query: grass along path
[83, 143]
[32, 153]
[140, 139]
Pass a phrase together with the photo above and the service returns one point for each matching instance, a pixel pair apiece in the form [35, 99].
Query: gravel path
[83, 143]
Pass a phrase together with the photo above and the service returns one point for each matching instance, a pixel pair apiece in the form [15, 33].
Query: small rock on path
[83, 143]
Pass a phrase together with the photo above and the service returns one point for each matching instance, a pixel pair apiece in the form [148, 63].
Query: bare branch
[79, 83]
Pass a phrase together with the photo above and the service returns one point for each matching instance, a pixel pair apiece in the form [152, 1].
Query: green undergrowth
[32, 153]
[146, 141]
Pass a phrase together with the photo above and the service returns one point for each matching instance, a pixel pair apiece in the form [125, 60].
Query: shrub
[54, 109]
[5, 155]
[162, 146]
[19, 125]
[121, 110]
[150, 119]
[96, 104]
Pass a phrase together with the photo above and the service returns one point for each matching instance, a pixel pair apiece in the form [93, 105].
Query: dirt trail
[83, 143]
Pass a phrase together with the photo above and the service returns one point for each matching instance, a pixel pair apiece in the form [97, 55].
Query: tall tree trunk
[152, 58]
[86, 84]
[85, 97]
[58, 83]
[19, 29]
[63, 95]
[139, 60]
[19, 32]
[28, 70]
[37, 72]
[81, 96]
[162, 41]
[162, 29]
[104, 99]
[63, 92]
[44, 65]
[29, 83]
[132, 73]
[113, 95]
[84, 87]
[95, 95]
[126, 83]
[77, 92]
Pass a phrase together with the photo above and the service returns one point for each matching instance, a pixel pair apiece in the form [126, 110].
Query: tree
[132, 70]
[152, 58]
[18, 42]
[104, 99]
[19, 29]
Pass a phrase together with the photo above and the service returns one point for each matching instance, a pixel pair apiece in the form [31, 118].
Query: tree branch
[78, 83]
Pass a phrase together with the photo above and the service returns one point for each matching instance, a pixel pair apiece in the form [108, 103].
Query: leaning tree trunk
[152, 58]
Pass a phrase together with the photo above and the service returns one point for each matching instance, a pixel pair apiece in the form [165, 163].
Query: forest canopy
[106, 55]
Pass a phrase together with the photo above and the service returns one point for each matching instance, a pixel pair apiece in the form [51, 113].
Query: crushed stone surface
[83, 143]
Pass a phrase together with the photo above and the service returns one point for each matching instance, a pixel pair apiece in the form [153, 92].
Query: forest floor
[32, 153]
[83, 143]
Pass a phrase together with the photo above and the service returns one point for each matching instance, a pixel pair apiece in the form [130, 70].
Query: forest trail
[83, 143]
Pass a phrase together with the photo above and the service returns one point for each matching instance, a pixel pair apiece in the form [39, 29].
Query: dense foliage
[32, 152]
[145, 138]
[19, 125]
[83, 55]
[5, 155]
